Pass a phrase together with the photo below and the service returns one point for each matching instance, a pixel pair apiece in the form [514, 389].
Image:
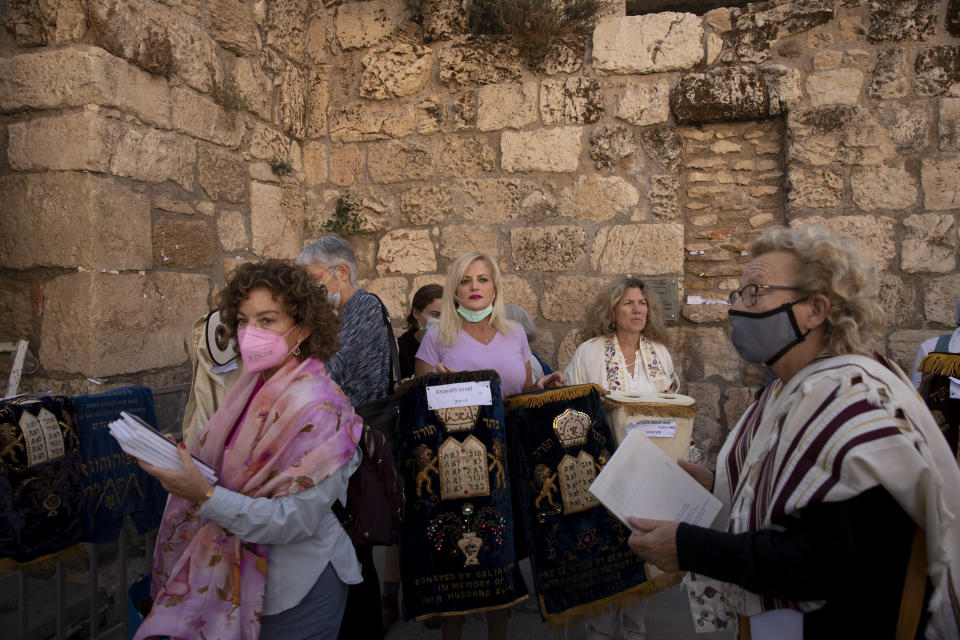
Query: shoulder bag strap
[394, 351]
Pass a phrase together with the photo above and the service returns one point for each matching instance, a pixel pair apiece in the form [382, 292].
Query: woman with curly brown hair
[260, 553]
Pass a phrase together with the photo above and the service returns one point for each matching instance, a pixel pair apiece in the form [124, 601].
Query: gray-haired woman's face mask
[766, 336]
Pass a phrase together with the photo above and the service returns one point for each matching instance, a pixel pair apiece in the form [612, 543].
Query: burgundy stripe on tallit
[809, 457]
[738, 451]
[834, 478]
[796, 441]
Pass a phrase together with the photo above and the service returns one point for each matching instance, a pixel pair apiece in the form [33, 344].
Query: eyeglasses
[749, 293]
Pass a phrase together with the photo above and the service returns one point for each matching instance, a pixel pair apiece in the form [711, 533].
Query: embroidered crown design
[458, 418]
[571, 427]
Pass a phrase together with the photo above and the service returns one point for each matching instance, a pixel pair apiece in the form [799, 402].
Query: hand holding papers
[641, 481]
[139, 439]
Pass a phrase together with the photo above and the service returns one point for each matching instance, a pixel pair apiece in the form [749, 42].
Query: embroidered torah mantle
[41, 478]
[457, 551]
[582, 566]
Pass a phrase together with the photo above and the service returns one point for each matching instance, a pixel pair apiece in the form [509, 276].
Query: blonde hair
[450, 321]
[832, 264]
[598, 320]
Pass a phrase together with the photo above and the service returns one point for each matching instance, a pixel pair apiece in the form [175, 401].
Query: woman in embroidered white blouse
[624, 350]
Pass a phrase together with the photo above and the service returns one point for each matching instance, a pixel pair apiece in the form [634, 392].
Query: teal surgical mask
[474, 316]
[431, 322]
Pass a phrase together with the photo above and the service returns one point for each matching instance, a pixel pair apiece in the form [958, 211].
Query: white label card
[459, 394]
[658, 428]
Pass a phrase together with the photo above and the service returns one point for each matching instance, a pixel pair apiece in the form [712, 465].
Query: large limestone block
[902, 346]
[231, 24]
[80, 75]
[276, 220]
[571, 101]
[518, 291]
[345, 164]
[479, 60]
[16, 308]
[363, 24]
[651, 43]
[940, 299]
[814, 187]
[506, 105]
[493, 201]
[549, 248]
[286, 27]
[264, 142]
[847, 134]
[232, 231]
[428, 204]
[782, 19]
[199, 116]
[834, 86]
[941, 188]
[930, 245]
[221, 173]
[949, 133]
[598, 198]
[393, 161]
[83, 140]
[783, 87]
[253, 83]
[938, 71]
[899, 300]
[104, 324]
[183, 243]
[724, 94]
[363, 121]
[155, 156]
[444, 19]
[611, 143]
[292, 98]
[908, 124]
[73, 220]
[889, 79]
[709, 352]
[406, 251]
[883, 188]
[463, 156]
[902, 20]
[396, 71]
[643, 103]
[565, 297]
[663, 197]
[554, 150]
[874, 234]
[37, 23]
[456, 240]
[315, 166]
[639, 249]
[153, 36]
[318, 99]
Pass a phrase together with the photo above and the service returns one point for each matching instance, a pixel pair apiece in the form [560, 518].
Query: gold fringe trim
[427, 616]
[446, 378]
[537, 399]
[9, 565]
[660, 410]
[591, 610]
[941, 364]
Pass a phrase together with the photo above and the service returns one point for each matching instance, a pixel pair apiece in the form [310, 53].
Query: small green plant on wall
[347, 217]
[280, 167]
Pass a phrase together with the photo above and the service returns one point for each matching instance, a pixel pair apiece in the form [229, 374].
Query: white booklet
[640, 480]
[139, 439]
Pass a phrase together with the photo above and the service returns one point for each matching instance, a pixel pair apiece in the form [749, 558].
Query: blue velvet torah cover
[115, 485]
[457, 552]
[582, 566]
[41, 479]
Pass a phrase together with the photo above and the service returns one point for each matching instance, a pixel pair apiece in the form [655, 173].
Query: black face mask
[765, 336]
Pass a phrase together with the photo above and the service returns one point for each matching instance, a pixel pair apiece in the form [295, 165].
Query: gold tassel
[538, 399]
[584, 612]
[941, 364]
[657, 409]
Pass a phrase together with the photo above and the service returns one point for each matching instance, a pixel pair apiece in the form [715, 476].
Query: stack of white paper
[139, 439]
[641, 481]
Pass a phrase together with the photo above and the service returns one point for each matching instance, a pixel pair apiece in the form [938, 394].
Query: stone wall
[146, 147]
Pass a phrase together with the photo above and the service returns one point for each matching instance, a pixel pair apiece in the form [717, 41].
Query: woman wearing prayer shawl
[260, 554]
[624, 352]
[840, 494]
[473, 334]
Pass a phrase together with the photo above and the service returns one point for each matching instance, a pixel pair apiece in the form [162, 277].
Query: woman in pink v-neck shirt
[474, 334]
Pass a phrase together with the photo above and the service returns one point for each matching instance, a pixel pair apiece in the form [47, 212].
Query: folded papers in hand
[139, 439]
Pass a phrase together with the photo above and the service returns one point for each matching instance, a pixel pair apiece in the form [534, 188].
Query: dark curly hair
[424, 296]
[302, 296]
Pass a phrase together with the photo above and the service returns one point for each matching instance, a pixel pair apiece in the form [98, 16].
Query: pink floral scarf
[300, 428]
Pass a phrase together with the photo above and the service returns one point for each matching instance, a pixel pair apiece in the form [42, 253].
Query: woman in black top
[426, 307]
